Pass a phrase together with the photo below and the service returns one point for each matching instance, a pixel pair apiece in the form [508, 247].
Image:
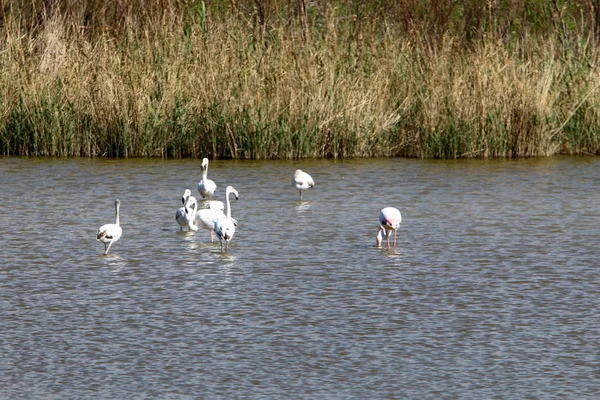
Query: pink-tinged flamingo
[302, 181]
[110, 233]
[389, 220]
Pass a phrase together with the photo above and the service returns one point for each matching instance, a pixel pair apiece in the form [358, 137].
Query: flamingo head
[187, 193]
[231, 189]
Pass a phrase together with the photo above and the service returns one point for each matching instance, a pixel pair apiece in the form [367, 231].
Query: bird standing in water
[206, 187]
[225, 227]
[389, 221]
[110, 233]
[186, 215]
[302, 181]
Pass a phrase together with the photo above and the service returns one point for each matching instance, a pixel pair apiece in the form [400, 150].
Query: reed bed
[223, 84]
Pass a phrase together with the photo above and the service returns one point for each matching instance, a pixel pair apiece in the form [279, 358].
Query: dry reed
[197, 84]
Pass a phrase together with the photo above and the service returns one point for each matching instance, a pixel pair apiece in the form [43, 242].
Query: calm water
[493, 291]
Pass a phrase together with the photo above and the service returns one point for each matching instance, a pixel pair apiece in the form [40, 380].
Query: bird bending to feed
[186, 215]
[110, 233]
[302, 181]
[389, 220]
[206, 187]
[225, 227]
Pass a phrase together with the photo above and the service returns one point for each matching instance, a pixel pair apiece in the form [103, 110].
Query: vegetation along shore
[269, 79]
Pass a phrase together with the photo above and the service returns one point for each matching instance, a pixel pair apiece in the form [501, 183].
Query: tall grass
[254, 81]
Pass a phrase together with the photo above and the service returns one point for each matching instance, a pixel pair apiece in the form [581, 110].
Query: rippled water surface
[492, 292]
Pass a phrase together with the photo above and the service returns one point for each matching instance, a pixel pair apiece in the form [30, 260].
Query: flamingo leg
[395, 237]
[211, 236]
[106, 252]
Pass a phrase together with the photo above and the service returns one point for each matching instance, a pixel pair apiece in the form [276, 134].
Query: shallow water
[493, 290]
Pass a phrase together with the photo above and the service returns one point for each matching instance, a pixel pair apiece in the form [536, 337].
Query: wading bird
[389, 221]
[302, 181]
[186, 215]
[206, 187]
[110, 233]
[206, 218]
[225, 227]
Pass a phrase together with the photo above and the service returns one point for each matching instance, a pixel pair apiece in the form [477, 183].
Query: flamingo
[206, 217]
[225, 227]
[389, 220]
[186, 216]
[206, 187]
[182, 212]
[110, 233]
[302, 181]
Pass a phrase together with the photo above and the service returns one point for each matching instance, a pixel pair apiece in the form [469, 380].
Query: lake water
[493, 290]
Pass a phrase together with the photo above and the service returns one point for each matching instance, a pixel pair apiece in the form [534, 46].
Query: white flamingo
[186, 216]
[110, 233]
[206, 187]
[182, 212]
[225, 227]
[302, 181]
[206, 217]
[389, 221]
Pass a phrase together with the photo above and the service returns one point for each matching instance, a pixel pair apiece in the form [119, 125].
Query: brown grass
[195, 84]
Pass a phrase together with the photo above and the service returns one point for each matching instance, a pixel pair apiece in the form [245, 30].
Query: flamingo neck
[192, 216]
[117, 214]
[379, 237]
[204, 172]
[228, 209]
